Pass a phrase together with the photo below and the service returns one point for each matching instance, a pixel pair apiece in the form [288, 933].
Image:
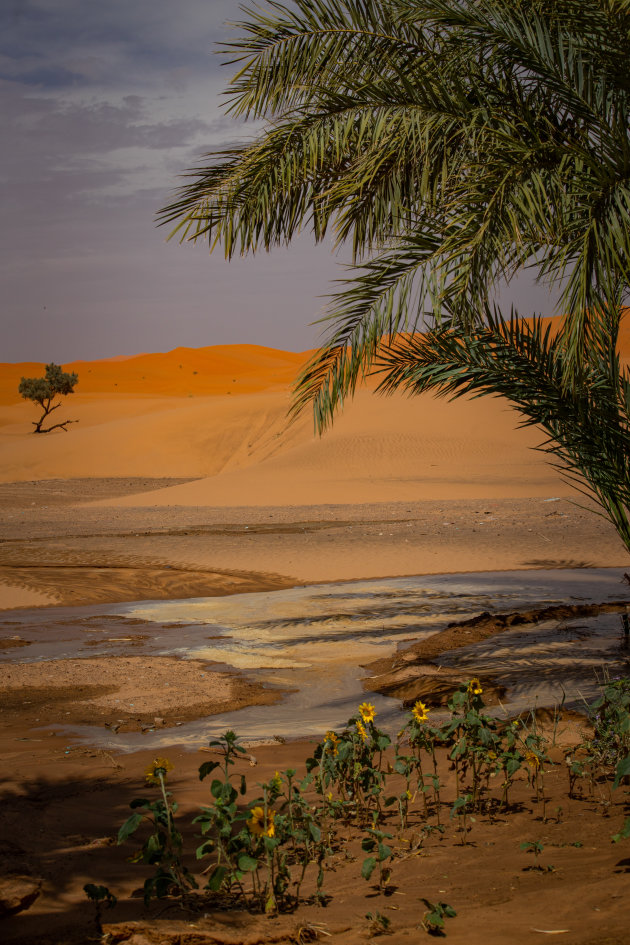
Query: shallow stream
[314, 639]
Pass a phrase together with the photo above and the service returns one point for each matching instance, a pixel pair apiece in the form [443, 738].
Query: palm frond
[497, 127]
[587, 426]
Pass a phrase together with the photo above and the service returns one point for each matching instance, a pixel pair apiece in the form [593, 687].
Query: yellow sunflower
[256, 824]
[159, 766]
[419, 712]
[330, 742]
[361, 731]
[474, 687]
[532, 759]
[368, 712]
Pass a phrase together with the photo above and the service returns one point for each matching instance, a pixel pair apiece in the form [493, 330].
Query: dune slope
[219, 415]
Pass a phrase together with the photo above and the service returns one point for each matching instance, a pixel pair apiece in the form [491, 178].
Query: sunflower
[361, 731]
[419, 712]
[257, 825]
[532, 759]
[330, 742]
[368, 712]
[158, 768]
[474, 687]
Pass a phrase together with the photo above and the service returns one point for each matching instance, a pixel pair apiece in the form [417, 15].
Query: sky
[104, 104]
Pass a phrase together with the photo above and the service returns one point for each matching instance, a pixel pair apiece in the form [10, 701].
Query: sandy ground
[107, 692]
[60, 823]
[58, 547]
[187, 481]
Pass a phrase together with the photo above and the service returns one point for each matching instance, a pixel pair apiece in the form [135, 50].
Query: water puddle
[553, 662]
[314, 639]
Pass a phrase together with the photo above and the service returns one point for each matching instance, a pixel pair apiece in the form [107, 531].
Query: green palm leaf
[587, 426]
[497, 130]
[452, 143]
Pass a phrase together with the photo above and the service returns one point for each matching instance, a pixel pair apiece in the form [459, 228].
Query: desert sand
[183, 478]
[187, 460]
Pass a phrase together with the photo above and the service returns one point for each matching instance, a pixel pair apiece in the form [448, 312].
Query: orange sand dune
[218, 415]
[391, 449]
[188, 372]
[183, 372]
[245, 452]
[148, 436]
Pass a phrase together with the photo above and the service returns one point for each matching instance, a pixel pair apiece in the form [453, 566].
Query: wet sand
[63, 800]
[62, 805]
[56, 547]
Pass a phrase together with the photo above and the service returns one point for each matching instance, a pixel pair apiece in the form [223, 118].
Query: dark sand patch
[80, 583]
[123, 692]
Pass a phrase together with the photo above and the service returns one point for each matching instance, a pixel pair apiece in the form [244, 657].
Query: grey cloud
[46, 75]
[105, 105]
[146, 36]
[74, 146]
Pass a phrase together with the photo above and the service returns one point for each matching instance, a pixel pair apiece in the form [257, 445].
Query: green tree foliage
[44, 390]
[453, 143]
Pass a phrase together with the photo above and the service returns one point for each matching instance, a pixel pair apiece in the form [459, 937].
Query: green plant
[622, 771]
[534, 748]
[351, 763]
[532, 846]
[163, 846]
[482, 748]
[260, 853]
[102, 898]
[461, 809]
[43, 390]
[609, 716]
[272, 841]
[476, 742]
[624, 833]
[422, 737]
[379, 924]
[576, 769]
[222, 823]
[601, 755]
[535, 847]
[375, 845]
[433, 919]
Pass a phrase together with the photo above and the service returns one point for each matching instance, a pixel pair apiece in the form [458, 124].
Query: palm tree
[453, 143]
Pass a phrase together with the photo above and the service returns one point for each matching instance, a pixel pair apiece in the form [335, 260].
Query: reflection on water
[553, 662]
[314, 640]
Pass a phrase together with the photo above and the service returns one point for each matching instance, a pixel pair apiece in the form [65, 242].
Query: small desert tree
[43, 390]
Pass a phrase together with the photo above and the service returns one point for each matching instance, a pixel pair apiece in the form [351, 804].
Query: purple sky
[104, 104]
